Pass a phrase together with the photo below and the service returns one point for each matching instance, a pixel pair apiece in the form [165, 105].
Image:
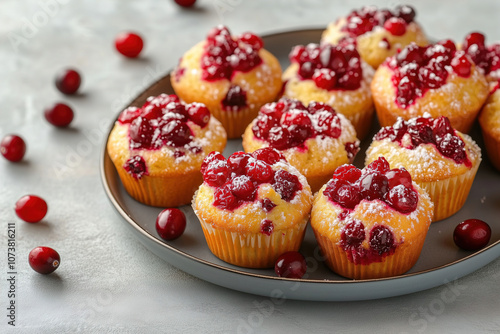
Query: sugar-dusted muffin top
[430, 149]
[371, 212]
[486, 57]
[257, 192]
[164, 137]
[378, 33]
[489, 118]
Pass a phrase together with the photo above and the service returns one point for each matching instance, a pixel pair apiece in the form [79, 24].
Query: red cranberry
[442, 126]
[381, 239]
[259, 171]
[316, 107]
[306, 70]
[253, 40]
[325, 78]
[59, 115]
[461, 65]
[410, 54]
[31, 208]
[212, 156]
[185, 3]
[380, 165]
[176, 133]
[243, 188]
[136, 166]
[405, 12]
[68, 81]
[353, 234]
[290, 265]
[396, 26]
[286, 184]
[279, 138]
[13, 148]
[352, 149]
[237, 162]
[129, 114]
[351, 80]
[403, 199]
[141, 132]
[224, 198]
[216, 173]
[398, 176]
[235, 97]
[347, 173]
[452, 147]
[44, 260]
[199, 114]
[267, 204]
[474, 38]
[348, 196]
[373, 185]
[472, 234]
[263, 125]
[129, 44]
[268, 155]
[170, 223]
[266, 227]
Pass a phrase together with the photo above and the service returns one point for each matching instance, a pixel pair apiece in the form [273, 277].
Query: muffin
[436, 79]
[489, 120]
[371, 223]
[377, 33]
[334, 75]
[440, 159]
[158, 149]
[485, 57]
[232, 75]
[315, 140]
[252, 207]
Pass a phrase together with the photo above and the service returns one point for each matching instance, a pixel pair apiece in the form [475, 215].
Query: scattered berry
[44, 260]
[170, 223]
[472, 234]
[13, 148]
[59, 115]
[185, 3]
[68, 81]
[129, 44]
[290, 265]
[31, 208]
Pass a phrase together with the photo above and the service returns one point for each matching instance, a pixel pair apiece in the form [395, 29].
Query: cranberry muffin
[158, 149]
[436, 79]
[377, 33]
[252, 207]
[371, 223]
[232, 75]
[314, 139]
[335, 75]
[440, 159]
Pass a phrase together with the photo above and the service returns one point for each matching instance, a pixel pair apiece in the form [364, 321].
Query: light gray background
[107, 281]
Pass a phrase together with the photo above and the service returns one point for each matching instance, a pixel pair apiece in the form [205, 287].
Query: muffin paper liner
[362, 122]
[235, 122]
[492, 148]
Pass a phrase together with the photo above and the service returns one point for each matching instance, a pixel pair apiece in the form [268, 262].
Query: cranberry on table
[472, 234]
[68, 81]
[185, 3]
[44, 260]
[170, 223]
[31, 208]
[129, 44]
[59, 115]
[13, 148]
[290, 265]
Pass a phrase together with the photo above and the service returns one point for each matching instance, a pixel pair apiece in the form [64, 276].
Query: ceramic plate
[440, 262]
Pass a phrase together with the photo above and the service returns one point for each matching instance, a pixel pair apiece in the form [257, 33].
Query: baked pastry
[334, 75]
[489, 120]
[486, 57]
[158, 149]
[314, 139]
[233, 76]
[437, 79]
[252, 207]
[371, 223]
[440, 159]
[377, 33]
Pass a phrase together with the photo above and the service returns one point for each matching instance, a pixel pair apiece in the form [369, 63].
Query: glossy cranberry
[373, 185]
[453, 147]
[353, 234]
[212, 156]
[420, 131]
[266, 227]
[285, 104]
[224, 198]
[141, 132]
[279, 138]
[379, 165]
[472, 234]
[267, 205]
[176, 133]
[129, 114]
[410, 54]
[290, 265]
[253, 40]
[237, 162]
[216, 173]
[325, 78]
[398, 176]
[129, 44]
[68, 81]
[263, 125]
[259, 171]
[243, 188]
[286, 184]
[461, 66]
[59, 115]
[347, 173]
[328, 124]
[136, 166]
[170, 223]
[405, 12]
[474, 38]
[396, 26]
[316, 107]
[306, 70]
[185, 3]
[402, 199]
[348, 196]
[199, 114]
[352, 149]
[235, 98]
[268, 155]
[381, 239]
[31, 208]
[13, 148]
[442, 126]
[351, 80]
[44, 260]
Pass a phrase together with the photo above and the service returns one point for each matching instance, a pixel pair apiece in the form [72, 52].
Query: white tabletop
[108, 281]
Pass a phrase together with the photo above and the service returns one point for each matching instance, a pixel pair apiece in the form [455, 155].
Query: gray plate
[440, 262]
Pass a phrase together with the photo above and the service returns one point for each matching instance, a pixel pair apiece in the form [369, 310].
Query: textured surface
[107, 281]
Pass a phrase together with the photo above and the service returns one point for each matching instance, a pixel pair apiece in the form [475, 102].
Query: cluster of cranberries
[329, 66]
[486, 57]
[288, 123]
[418, 69]
[366, 19]
[238, 178]
[426, 130]
[350, 185]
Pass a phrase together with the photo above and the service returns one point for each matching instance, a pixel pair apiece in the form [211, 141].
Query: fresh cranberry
[472, 234]
[44, 260]
[410, 54]
[381, 239]
[235, 98]
[398, 176]
[442, 126]
[290, 265]
[352, 149]
[348, 196]
[396, 26]
[453, 147]
[224, 198]
[176, 133]
[353, 234]
[237, 162]
[212, 156]
[325, 78]
[129, 114]
[420, 131]
[267, 204]
[351, 80]
[243, 188]
[185, 3]
[268, 155]
[129, 44]
[373, 185]
[380, 165]
[170, 223]
[253, 40]
[31, 208]
[286, 184]
[461, 65]
[266, 227]
[68, 81]
[279, 138]
[402, 198]
[13, 148]
[263, 125]
[136, 166]
[405, 12]
[329, 124]
[348, 173]
[306, 70]
[199, 114]
[476, 38]
[59, 115]
[216, 173]
[259, 171]
[316, 107]
[141, 132]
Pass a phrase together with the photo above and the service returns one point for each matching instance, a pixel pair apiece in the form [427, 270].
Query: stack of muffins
[301, 131]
